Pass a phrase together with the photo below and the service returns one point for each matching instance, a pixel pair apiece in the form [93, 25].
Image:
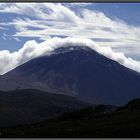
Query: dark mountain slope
[79, 72]
[89, 122]
[30, 106]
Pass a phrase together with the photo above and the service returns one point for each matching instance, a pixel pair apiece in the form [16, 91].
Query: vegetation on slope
[87, 122]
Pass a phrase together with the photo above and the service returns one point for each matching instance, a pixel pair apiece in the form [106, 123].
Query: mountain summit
[76, 71]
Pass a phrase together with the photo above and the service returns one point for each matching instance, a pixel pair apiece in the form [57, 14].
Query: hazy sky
[111, 25]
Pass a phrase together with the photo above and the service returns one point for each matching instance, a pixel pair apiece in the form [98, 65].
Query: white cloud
[55, 19]
[32, 49]
[81, 4]
[17, 39]
[46, 20]
[33, 9]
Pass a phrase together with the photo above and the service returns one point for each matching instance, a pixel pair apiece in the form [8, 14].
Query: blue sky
[110, 25]
[128, 12]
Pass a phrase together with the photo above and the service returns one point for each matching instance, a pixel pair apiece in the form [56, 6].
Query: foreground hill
[28, 106]
[76, 71]
[87, 122]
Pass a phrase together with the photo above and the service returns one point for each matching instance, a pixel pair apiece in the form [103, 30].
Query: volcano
[76, 71]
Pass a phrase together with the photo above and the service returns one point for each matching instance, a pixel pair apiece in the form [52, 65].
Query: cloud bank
[32, 49]
[45, 20]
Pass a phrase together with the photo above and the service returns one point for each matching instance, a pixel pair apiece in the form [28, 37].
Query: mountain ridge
[20, 107]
